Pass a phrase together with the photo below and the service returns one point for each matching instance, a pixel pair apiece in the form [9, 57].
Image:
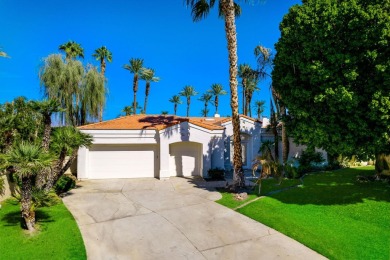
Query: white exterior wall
[252, 130]
[211, 141]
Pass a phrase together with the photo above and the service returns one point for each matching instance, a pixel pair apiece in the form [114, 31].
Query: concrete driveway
[171, 219]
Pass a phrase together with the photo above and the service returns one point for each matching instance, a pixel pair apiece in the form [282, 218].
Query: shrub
[310, 161]
[65, 183]
[41, 198]
[290, 170]
[216, 174]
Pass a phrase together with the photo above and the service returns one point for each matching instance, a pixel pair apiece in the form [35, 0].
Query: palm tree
[244, 72]
[164, 112]
[250, 89]
[217, 90]
[188, 92]
[3, 54]
[204, 112]
[46, 108]
[102, 54]
[27, 160]
[282, 117]
[206, 98]
[72, 50]
[273, 126]
[175, 99]
[135, 67]
[148, 76]
[259, 106]
[128, 110]
[65, 142]
[228, 10]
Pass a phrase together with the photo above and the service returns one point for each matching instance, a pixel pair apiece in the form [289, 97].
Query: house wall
[211, 141]
[252, 130]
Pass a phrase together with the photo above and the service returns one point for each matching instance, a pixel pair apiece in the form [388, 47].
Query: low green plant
[216, 174]
[65, 183]
[310, 161]
[290, 170]
[2, 185]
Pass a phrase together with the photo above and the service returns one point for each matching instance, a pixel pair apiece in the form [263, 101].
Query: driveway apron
[170, 219]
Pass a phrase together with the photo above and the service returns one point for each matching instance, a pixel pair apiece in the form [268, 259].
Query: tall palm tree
[244, 72]
[250, 89]
[46, 108]
[102, 54]
[175, 99]
[65, 142]
[135, 67]
[259, 106]
[206, 98]
[148, 76]
[217, 90]
[188, 92]
[228, 10]
[72, 50]
[27, 160]
[282, 117]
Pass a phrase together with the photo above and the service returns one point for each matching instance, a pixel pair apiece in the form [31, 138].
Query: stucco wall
[9, 187]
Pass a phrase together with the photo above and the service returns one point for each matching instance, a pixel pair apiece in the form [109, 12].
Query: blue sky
[161, 32]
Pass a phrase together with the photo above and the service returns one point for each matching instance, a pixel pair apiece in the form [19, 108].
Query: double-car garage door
[122, 161]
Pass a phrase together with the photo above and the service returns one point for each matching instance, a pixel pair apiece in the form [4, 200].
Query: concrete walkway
[171, 219]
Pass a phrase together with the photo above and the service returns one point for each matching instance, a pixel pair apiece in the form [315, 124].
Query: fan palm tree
[46, 108]
[188, 92]
[228, 10]
[206, 98]
[65, 142]
[128, 110]
[250, 89]
[27, 160]
[135, 67]
[217, 90]
[72, 50]
[259, 106]
[148, 76]
[3, 54]
[102, 54]
[175, 99]
[244, 72]
[204, 112]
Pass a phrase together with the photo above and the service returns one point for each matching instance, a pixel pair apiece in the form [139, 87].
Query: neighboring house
[163, 146]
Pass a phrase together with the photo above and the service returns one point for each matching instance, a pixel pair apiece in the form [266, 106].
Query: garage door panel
[122, 161]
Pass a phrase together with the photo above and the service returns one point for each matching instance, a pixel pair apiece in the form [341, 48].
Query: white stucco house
[163, 146]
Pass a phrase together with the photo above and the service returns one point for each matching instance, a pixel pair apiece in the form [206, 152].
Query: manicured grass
[58, 236]
[267, 186]
[332, 213]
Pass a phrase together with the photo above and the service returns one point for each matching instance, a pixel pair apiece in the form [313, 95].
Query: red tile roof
[157, 122]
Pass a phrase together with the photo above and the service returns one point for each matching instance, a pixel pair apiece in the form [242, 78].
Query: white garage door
[185, 159]
[122, 161]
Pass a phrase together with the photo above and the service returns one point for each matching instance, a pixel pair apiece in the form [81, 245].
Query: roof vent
[210, 119]
[217, 115]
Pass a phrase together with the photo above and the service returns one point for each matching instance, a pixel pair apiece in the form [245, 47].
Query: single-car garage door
[122, 161]
[185, 159]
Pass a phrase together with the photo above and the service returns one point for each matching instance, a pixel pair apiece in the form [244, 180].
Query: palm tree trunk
[175, 108]
[188, 106]
[243, 95]
[46, 132]
[247, 101]
[52, 177]
[102, 66]
[231, 37]
[135, 89]
[27, 213]
[147, 90]
[216, 104]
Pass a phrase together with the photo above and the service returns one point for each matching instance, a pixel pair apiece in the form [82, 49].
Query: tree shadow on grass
[14, 218]
[336, 188]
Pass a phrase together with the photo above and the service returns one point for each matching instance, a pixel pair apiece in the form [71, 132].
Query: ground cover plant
[57, 236]
[332, 213]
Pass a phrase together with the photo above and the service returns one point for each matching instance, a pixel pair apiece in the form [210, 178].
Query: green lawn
[58, 236]
[331, 213]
